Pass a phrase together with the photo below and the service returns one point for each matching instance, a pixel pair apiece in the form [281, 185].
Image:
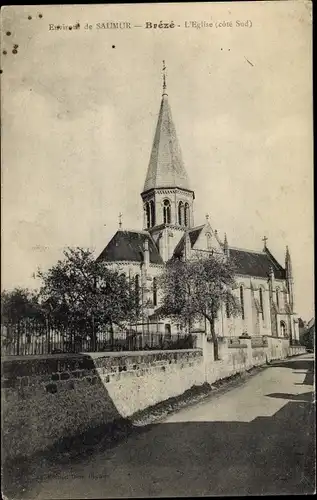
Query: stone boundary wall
[47, 399]
[297, 350]
[240, 357]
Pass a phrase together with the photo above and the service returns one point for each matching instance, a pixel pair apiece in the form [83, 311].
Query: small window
[147, 214]
[152, 213]
[181, 213]
[278, 298]
[186, 215]
[167, 212]
[242, 301]
[154, 292]
[261, 302]
[283, 329]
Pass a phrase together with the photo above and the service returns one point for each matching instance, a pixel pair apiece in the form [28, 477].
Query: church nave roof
[129, 246]
[255, 263]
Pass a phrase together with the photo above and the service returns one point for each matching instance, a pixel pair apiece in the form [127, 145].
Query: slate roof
[193, 237]
[194, 233]
[255, 263]
[166, 167]
[129, 246]
[246, 262]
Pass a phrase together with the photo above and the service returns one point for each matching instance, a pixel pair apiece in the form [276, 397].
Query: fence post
[94, 346]
[18, 339]
[48, 336]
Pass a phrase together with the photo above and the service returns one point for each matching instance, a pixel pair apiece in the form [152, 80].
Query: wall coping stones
[20, 366]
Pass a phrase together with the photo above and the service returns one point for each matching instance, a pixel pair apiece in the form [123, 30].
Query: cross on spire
[120, 220]
[164, 77]
[264, 239]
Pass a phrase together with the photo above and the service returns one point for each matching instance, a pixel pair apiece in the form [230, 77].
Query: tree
[83, 294]
[19, 304]
[197, 289]
[308, 338]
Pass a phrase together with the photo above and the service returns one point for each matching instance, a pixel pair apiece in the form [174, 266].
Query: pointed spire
[120, 220]
[166, 167]
[288, 264]
[264, 239]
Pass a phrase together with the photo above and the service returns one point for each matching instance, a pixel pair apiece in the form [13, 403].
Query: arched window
[167, 212]
[283, 329]
[208, 236]
[181, 213]
[152, 213]
[154, 292]
[242, 301]
[137, 291]
[186, 217]
[147, 214]
[278, 298]
[261, 302]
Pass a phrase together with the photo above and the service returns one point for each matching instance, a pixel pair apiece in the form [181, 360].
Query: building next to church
[264, 288]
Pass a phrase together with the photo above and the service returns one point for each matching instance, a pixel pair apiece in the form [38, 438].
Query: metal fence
[31, 338]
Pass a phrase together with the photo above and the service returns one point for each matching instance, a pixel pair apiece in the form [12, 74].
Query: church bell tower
[167, 197]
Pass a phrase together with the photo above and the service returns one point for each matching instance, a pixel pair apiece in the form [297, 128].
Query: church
[264, 287]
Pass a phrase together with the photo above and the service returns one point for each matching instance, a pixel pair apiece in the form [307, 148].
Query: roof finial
[207, 217]
[164, 78]
[264, 239]
[120, 220]
[225, 245]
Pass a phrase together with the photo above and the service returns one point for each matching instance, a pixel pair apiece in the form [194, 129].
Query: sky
[79, 111]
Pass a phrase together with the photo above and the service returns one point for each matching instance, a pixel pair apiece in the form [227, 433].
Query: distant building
[264, 287]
